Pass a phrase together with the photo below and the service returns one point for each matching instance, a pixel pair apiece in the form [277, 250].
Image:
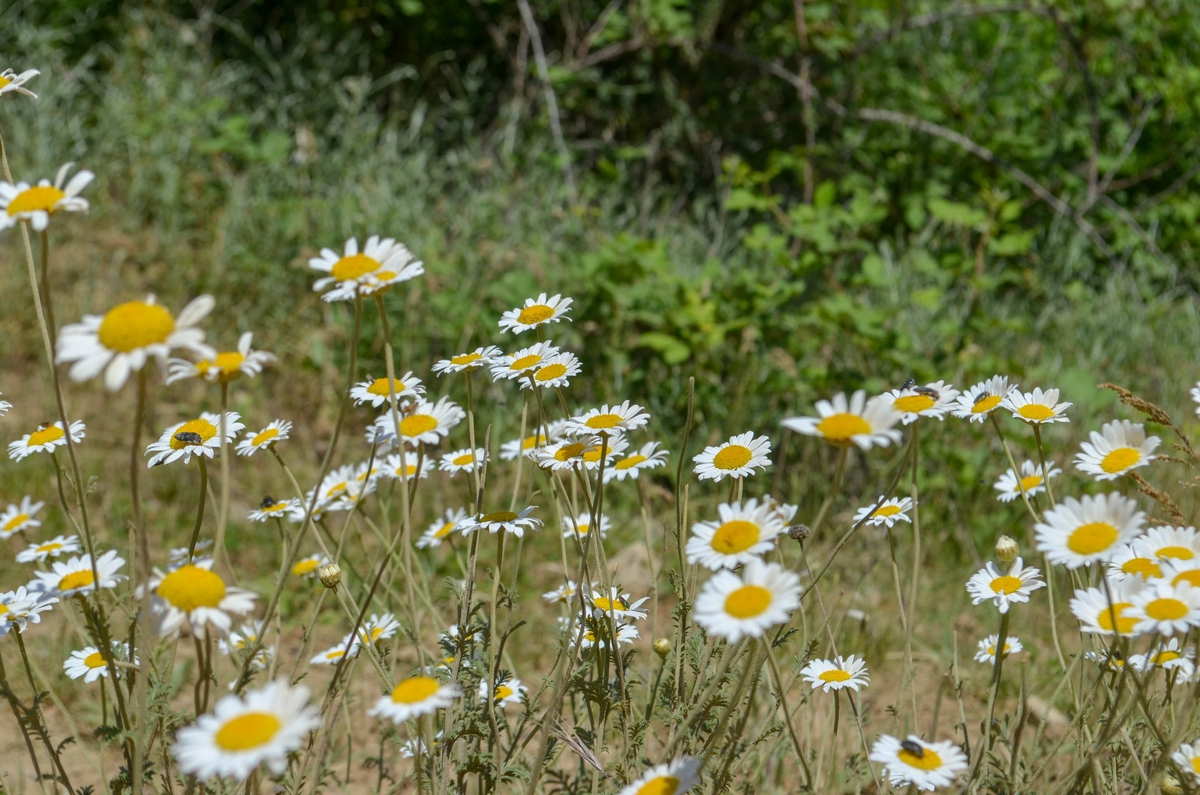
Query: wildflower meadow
[232, 565]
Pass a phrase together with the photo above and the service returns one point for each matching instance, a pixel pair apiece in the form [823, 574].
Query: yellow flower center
[201, 427]
[51, 433]
[503, 692]
[569, 451]
[986, 404]
[525, 362]
[1030, 482]
[227, 364]
[353, 267]
[550, 372]
[886, 510]
[659, 785]
[735, 536]
[247, 731]
[498, 516]
[1144, 566]
[4, 609]
[15, 522]
[94, 660]
[914, 404]
[532, 315]
[1166, 609]
[417, 424]
[190, 587]
[263, 437]
[1090, 538]
[42, 197]
[533, 441]
[748, 601]
[629, 463]
[591, 455]
[1124, 624]
[604, 421]
[136, 324]
[49, 547]
[444, 530]
[465, 359]
[380, 387]
[335, 654]
[305, 567]
[1006, 584]
[4, 81]
[732, 457]
[606, 604]
[462, 460]
[1035, 411]
[836, 675]
[1181, 553]
[1196, 764]
[840, 428]
[414, 690]
[76, 579]
[1120, 459]
[928, 760]
[1165, 657]
[1191, 577]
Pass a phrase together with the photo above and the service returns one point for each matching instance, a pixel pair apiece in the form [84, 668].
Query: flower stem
[191, 553]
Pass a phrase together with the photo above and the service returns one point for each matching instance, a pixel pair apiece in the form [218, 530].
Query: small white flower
[271, 508]
[1037, 407]
[745, 531]
[582, 525]
[225, 367]
[926, 766]
[673, 778]
[857, 421]
[1096, 611]
[1166, 609]
[75, 576]
[11, 82]
[982, 399]
[414, 697]
[733, 606]
[509, 691]
[1031, 481]
[575, 452]
[1170, 656]
[252, 442]
[376, 391]
[198, 437]
[837, 673]
[887, 513]
[742, 456]
[195, 595]
[441, 528]
[464, 460]
[1188, 757]
[1079, 532]
[382, 263]
[554, 372]
[986, 652]
[647, 457]
[1004, 588]
[59, 545]
[616, 605]
[423, 421]
[1121, 447]
[20, 516]
[88, 663]
[24, 605]
[480, 357]
[611, 420]
[497, 521]
[913, 402]
[46, 439]
[516, 364]
[536, 312]
[36, 203]
[307, 567]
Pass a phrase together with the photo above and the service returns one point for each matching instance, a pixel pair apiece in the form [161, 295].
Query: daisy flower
[1121, 447]
[986, 652]
[536, 312]
[225, 367]
[4, 406]
[382, 263]
[75, 576]
[120, 341]
[582, 525]
[392, 467]
[859, 421]
[609, 419]
[25, 604]
[508, 521]
[744, 532]
[59, 545]
[36, 203]
[514, 365]
[242, 639]
[563, 594]
[1036, 407]
[673, 778]
[196, 595]
[243, 733]
[926, 766]
[1080, 532]
[480, 357]
[982, 399]
[414, 697]
[586, 451]
[464, 460]
[424, 422]
[1129, 559]
[1168, 656]
[271, 508]
[334, 654]
[1175, 572]
[596, 633]
[553, 373]
[739, 457]
[1165, 608]
[198, 437]
[1109, 659]
[837, 673]
[441, 528]
[510, 691]
[19, 516]
[307, 568]
[1188, 759]
[616, 605]
[179, 555]
[252, 442]
[375, 390]
[1091, 606]
[88, 663]
[913, 402]
[48, 437]
[1003, 589]
[11, 82]
[377, 628]
[648, 457]
[888, 513]
[782, 511]
[1169, 543]
[1032, 481]
[734, 606]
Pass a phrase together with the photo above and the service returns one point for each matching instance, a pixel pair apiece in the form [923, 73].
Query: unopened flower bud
[330, 574]
[662, 647]
[1170, 786]
[1007, 549]
[798, 532]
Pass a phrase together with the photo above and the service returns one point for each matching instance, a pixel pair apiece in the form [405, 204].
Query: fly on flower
[913, 402]
[978, 402]
[198, 437]
[36, 203]
[926, 766]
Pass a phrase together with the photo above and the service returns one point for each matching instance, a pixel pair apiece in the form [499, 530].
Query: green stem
[199, 508]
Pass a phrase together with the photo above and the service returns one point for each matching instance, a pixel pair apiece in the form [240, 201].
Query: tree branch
[539, 55]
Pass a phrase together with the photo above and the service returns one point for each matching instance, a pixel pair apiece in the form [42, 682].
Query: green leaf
[673, 350]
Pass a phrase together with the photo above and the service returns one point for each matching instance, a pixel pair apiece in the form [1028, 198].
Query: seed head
[798, 532]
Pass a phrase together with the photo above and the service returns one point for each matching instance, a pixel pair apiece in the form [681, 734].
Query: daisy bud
[330, 575]
[798, 532]
[662, 647]
[1170, 786]
[1007, 549]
